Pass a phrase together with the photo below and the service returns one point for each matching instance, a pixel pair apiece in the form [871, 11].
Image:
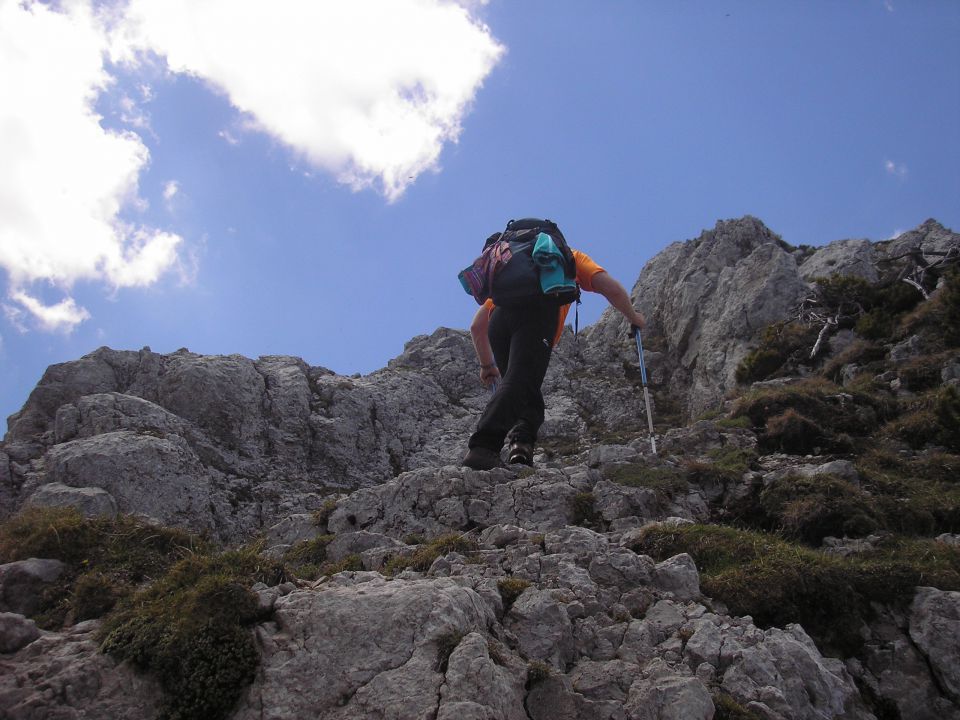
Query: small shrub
[446, 644]
[307, 558]
[781, 344]
[537, 672]
[190, 629]
[94, 595]
[778, 582]
[726, 708]
[809, 509]
[351, 563]
[759, 364]
[510, 589]
[583, 511]
[949, 299]
[833, 411]
[791, 432]
[322, 516]
[934, 419]
[877, 324]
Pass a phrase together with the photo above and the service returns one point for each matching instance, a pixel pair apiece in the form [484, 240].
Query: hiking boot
[521, 453]
[480, 458]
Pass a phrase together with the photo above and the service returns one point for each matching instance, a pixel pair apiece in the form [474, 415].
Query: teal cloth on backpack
[550, 261]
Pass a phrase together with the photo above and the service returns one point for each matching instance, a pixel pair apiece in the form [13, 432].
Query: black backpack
[507, 272]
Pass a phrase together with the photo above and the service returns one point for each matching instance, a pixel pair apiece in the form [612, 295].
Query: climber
[513, 345]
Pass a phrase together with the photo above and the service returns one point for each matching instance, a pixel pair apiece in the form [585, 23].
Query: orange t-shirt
[586, 269]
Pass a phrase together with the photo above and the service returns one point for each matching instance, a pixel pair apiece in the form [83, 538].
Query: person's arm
[481, 343]
[605, 284]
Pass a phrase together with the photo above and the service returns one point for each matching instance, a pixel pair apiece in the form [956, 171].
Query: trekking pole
[646, 394]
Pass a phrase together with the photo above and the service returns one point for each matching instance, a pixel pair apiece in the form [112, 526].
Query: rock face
[229, 445]
[707, 299]
[550, 614]
[63, 675]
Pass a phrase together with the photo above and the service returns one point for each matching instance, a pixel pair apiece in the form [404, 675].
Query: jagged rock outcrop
[707, 299]
[235, 448]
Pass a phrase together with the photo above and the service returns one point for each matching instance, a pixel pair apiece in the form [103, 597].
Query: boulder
[935, 627]
[91, 501]
[22, 583]
[16, 631]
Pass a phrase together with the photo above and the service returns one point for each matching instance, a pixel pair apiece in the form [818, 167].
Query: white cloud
[888, 4]
[370, 90]
[64, 179]
[64, 316]
[896, 169]
[170, 189]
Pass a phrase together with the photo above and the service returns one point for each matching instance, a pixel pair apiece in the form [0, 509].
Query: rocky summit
[189, 536]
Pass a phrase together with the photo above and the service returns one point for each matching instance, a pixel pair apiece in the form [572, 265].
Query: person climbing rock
[514, 338]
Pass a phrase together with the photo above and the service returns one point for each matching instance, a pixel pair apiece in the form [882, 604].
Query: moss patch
[583, 511]
[783, 348]
[190, 629]
[794, 417]
[666, 481]
[308, 558]
[510, 589]
[106, 558]
[423, 557]
[778, 582]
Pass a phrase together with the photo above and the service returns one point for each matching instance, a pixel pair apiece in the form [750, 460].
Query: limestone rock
[476, 686]
[16, 631]
[360, 644]
[22, 583]
[542, 628]
[935, 627]
[91, 501]
[63, 675]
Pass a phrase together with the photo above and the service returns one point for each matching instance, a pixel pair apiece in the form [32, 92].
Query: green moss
[190, 629]
[423, 557]
[322, 516]
[510, 589]
[446, 644]
[94, 595]
[742, 423]
[812, 411]
[778, 582]
[583, 511]
[783, 347]
[923, 373]
[537, 672]
[307, 558]
[949, 301]
[916, 495]
[666, 481]
[106, 558]
[726, 708]
[932, 419]
[810, 509]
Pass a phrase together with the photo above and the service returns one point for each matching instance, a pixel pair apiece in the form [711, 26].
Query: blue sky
[302, 178]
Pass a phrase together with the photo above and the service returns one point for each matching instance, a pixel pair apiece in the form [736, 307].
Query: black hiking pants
[522, 341]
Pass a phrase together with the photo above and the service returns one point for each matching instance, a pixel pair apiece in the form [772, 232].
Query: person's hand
[489, 375]
[637, 322]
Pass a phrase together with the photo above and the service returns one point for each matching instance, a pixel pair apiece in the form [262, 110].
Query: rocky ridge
[535, 616]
